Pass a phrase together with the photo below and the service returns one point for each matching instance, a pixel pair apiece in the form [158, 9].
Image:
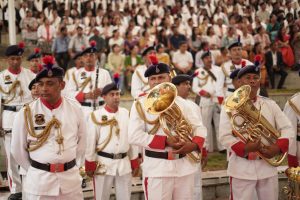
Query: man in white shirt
[183, 59]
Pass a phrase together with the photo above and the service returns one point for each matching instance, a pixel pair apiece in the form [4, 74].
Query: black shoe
[83, 183]
[15, 196]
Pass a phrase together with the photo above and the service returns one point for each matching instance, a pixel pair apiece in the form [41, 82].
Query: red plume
[21, 45]
[257, 58]
[153, 59]
[93, 43]
[243, 63]
[48, 60]
[116, 75]
[37, 50]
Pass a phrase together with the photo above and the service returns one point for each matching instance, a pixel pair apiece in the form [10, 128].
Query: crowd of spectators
[180, 29]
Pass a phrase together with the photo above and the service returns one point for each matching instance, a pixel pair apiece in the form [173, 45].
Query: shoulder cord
[112, 123]
[294, 107]
[43, 136]
[12, 90]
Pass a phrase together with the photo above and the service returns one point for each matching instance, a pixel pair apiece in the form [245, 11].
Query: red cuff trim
[80, 97]
[90, 165]
[202, 93]
[134, 164]
[204, 152]
[199, 141]
[239, 149]
[220, 100]
[292, 161]
[283, 144]
[158, 142]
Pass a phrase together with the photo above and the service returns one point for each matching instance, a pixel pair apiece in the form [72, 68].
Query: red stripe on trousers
[10, 181]
[146, 187]
[231, 196]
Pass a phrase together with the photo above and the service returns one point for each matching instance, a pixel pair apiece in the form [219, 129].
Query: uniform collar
[49, 106]
[13, 71]
[89, 70]
[108, 109]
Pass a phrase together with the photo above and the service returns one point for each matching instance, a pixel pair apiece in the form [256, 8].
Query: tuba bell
[161, 101]
[292, 190]
[249, 124]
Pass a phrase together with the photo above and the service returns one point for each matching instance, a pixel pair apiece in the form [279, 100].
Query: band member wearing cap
[139, 83]
[235, 52]
[88, 81]
[47, 142]
[183, 85]
[35, 61]
[109, 147]
[249, 174]
[205, 85]
[14, 94]
[34, 88]
[233, 77]
[167, 172]
[79, 63]
[292, 111]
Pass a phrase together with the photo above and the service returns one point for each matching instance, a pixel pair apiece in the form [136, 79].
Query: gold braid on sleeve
[294, 107]
[84, 84]
[142, 115]
[43, 136]
[12, 90]
[75, 81]
[112, 123]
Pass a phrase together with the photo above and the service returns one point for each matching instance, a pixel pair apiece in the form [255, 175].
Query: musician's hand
[270, 151]
[97, 92]
[89, 95]
[204, 161]
[187, 147]
[173, 142]
[252, 146]
[90, 173]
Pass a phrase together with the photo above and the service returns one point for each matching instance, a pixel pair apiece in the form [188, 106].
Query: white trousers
[167, 188]
[103, 186]
[74, 196]
[14, 178]
[242, 189]
[198, 195]
[211, 114]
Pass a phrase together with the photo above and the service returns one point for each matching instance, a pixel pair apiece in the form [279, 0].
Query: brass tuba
[292, 190]
[249, 124]
[161, 101]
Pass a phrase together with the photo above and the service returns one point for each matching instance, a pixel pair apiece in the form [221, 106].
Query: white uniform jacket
[139, 84]
[117, 144]
[292, 111]
[239, 166]
[73, 129]
[203, 82]
[19, 98]
[139, 135]
[227, 68]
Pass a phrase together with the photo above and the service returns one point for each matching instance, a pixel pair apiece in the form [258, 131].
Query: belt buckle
[172, 156]
[117, 156]
[57, 167]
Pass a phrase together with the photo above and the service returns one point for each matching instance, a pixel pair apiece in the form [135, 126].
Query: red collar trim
[11, 70]
[142, 94]
[108, 109]
[49, 106]
[89, 70]
[254, 100]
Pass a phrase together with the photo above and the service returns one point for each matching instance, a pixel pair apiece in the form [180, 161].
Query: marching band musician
[249, 174]
[292, 111]
[46, 143]
[14, 94]
[108, 145]
[183, 85]
[35, 61]
[205, 84]
[34, 88]
[139, 83]
[167, 172]
[87, 85]
[79, 63]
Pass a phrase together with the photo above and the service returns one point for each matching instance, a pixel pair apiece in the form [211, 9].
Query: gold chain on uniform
[224, 70]
[112, 123]
[12, 90]
[142, 115]
[84, 84]
[43, 136]
[205, 79]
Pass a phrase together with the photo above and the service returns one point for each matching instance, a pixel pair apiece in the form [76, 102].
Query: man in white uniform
[47, 140]
[14, 94]
[167, 172]
[292, 111]
[205, 84]
[249, 174]
[87, 84]
[108, 145]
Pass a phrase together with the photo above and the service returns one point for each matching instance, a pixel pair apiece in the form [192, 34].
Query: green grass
[216, 161]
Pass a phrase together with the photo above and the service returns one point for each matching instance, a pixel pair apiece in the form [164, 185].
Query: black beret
[33, 81]
[234, 74]
[235, 44]
[50, 69]
[159, 68]
[181, 78]
[91, 49]
[109, 87]
[77, 55]
[36, 54]
[15, 50]
[145, 51]
[249, 69]
[205, 54]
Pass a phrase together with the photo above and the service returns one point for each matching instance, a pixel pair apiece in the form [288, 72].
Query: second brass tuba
[161, 101]
[249, 124]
